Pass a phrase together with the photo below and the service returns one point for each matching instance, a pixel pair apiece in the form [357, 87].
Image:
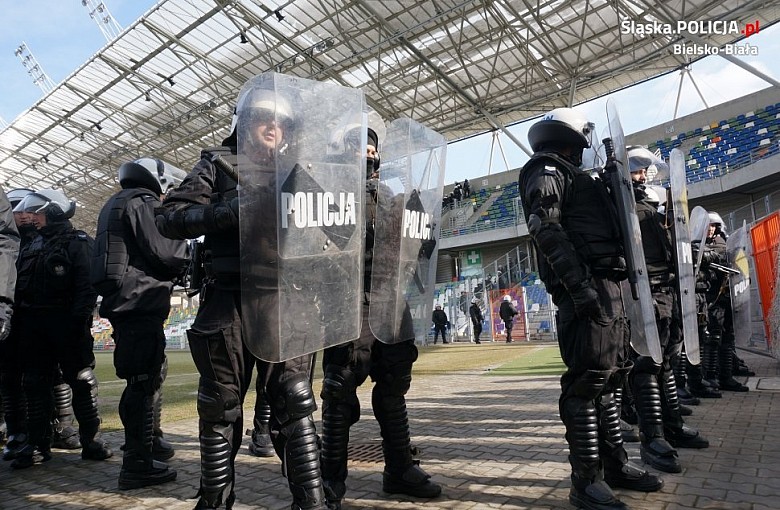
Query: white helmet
[656, 195]
[561, 127]
[52, 202]
[715, 218]
[474, 300]
[150, 173]
[640, 158]
[16, 195]
[507, 298]
[263, 101]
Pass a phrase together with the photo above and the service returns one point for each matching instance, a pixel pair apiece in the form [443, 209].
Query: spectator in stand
[466, 189]
[457, 193]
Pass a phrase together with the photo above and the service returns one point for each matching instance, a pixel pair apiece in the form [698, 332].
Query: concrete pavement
[493, 442]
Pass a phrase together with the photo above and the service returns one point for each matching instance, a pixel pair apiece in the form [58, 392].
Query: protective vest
[222, 257]
[47, 270]
[656, 242]
[588, 215]
[110, 258]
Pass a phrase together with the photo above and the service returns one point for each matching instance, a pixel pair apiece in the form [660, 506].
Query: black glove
[586, 301]
[5, 320]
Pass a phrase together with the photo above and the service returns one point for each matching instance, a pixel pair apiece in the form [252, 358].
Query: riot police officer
[507, 312]
[133, 268]
[64, 434]
[720, 346]
[206, 203]
[54, 304]
[346, 367]
[572, 222]
[9, 250]
[653, 385]
[475, 313]
[13, 424]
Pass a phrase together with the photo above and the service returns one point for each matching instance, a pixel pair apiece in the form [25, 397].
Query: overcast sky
[62, 36]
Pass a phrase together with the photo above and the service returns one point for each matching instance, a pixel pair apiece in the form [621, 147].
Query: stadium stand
[726, 145]
[731, 165]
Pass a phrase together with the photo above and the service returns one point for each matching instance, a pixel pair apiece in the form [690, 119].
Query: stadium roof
[165, 85]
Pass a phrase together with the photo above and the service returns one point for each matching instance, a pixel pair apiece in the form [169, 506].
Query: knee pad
[646, 365]
[217, 403]
[85, 382]
[591, 383]
[338, 385]
[396, 379]
[296, 400]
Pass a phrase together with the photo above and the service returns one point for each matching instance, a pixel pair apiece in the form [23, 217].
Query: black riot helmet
[16, 195]
[52, 202]
[562, 127]
[150, 173]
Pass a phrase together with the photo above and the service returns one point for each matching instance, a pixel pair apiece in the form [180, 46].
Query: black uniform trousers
[52, 341]
[595, 352]
[225, 365]
[346, 367]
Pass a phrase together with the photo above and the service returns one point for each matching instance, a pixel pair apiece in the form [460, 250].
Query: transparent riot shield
[738, 251]
[685, 269]
[700, 222]
[637, 298]
[301, 216]
[406, 225]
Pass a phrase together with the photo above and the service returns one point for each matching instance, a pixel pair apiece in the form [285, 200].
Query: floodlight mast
[98, 11]
[34, 69]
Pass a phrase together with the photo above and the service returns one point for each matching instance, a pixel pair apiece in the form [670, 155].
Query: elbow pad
[196, 220]
[557, 249]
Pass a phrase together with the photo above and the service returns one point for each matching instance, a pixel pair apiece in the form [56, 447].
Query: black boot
[139, 468]
[697, 382]
[37, 447]
[627, 431]
[676, 432]
[297, 438]
[402, 474]
[261, 445]
[85, 408]
[336, 421]
[162, 449]
[15, 412]
[710, 362]
[588, 489]
[740, 367]
[727, 381]
[654, 450]
[618, 470]
[64, 434]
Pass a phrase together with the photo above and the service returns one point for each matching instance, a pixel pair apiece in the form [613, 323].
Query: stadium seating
[726, 145]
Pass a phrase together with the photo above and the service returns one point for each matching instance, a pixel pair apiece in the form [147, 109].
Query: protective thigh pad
[217, 403]
[296, 400]
[591, 383]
